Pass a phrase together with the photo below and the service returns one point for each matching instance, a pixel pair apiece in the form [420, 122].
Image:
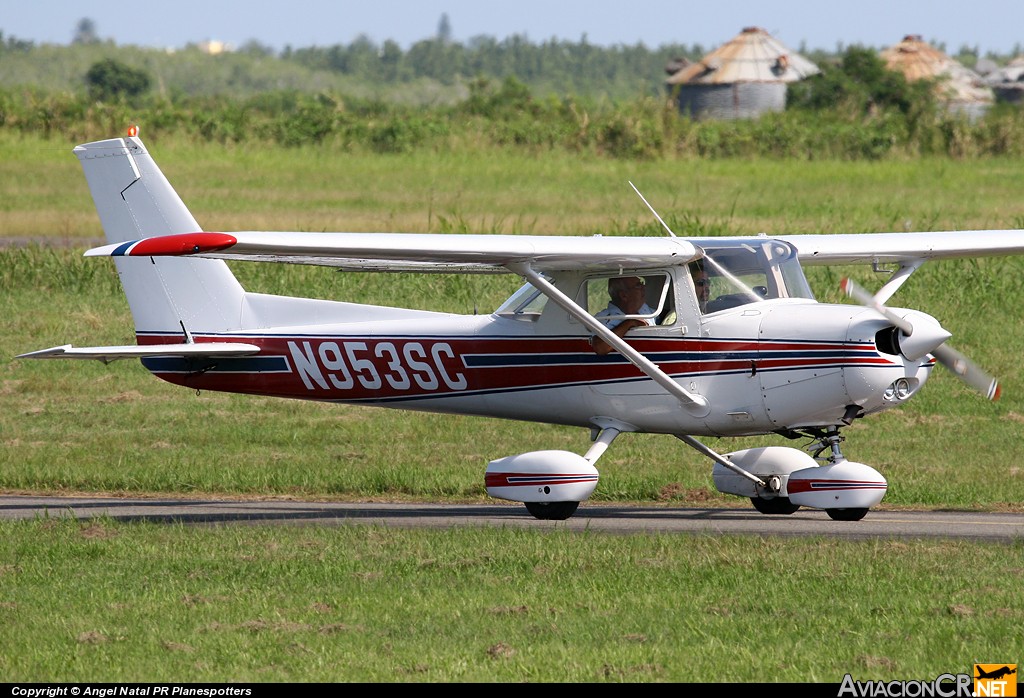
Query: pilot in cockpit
[626, 297]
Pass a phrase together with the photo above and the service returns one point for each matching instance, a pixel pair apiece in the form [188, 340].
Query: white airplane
[745, 351]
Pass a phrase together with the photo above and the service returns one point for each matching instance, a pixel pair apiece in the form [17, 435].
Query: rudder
[134, 200]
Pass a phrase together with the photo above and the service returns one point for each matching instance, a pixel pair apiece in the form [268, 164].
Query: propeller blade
[857, 293]
[916, 340]
[962, 367]
[968, 371]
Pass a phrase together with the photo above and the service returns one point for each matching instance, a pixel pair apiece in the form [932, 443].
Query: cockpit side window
[645, 297]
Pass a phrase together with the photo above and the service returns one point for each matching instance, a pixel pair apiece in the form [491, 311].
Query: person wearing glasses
[627, 297]
[702, 284]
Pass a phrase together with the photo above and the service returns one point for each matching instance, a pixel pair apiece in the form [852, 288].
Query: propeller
[920, 335]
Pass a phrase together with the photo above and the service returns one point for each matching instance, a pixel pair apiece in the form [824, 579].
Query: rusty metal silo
[741, 79]
[959, 88]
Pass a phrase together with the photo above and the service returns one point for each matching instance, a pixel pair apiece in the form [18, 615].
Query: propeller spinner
[922, 337]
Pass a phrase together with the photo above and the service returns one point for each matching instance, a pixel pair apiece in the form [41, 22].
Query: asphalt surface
[590, 517]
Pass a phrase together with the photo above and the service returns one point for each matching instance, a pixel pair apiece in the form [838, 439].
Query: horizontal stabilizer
[201, 350]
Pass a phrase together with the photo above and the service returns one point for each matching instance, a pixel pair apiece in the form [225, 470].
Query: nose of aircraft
[962, 367]
[891, 365]
[921, 335]
[836, 361]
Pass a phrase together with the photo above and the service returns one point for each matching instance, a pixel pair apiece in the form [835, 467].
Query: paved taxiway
[593, 517]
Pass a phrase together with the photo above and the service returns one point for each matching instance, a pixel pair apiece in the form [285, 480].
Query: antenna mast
[663, 225]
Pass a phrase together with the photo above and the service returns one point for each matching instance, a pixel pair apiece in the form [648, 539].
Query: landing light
[902, 389]
[899, 389]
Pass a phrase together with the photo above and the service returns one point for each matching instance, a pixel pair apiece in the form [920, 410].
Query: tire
[552, 511]
[776, 506]
[846, 514]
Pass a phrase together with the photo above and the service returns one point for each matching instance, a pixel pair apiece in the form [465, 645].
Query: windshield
[741, 272]
[525, 304]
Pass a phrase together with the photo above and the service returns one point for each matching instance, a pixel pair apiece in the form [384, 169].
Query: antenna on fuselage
[663, 224]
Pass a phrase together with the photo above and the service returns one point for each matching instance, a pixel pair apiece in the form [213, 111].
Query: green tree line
[562, 66]
[855, 109]
[554, 66]
[430, 71]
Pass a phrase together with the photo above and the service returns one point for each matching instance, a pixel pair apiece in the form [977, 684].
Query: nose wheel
[829, 441]
[846, 514]
[552, 511]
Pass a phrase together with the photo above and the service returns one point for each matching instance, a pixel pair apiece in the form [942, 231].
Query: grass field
[230, 188]
[252, 603]
[258, 604]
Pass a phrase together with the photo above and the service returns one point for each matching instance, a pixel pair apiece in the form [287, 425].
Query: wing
[868, 248]
[423, 252]
[429, 252]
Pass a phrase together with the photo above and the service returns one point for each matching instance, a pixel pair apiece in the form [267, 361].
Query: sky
[988, 25]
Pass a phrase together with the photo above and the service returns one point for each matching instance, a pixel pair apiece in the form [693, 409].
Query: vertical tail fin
[134, 200]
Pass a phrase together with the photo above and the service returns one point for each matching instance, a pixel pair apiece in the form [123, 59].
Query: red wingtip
[186, 244]
[997, 393]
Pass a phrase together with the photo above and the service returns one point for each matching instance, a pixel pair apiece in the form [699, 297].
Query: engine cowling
[541, 476]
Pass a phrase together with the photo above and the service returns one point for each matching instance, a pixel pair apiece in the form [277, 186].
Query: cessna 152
[760, 356]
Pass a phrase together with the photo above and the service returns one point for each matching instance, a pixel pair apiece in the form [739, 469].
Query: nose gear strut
[829, 441]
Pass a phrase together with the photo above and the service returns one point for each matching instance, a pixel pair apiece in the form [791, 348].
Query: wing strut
[724, 462]
[696, 405]
[907, 267]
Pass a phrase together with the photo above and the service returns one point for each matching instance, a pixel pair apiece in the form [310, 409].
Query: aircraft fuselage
[763, 367]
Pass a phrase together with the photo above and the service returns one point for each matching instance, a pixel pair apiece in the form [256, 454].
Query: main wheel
[552, 511]
[775, 505]
[846, 514]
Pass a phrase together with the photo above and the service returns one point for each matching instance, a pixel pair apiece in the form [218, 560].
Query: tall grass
[507, 191]
[509, 116]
